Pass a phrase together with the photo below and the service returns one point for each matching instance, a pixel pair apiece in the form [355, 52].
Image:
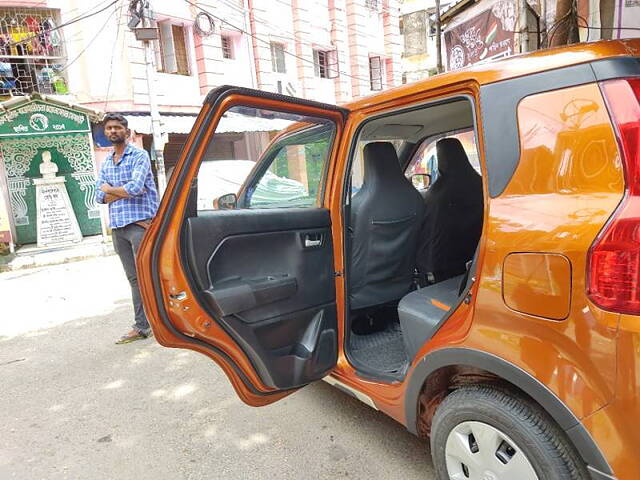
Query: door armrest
[239, 294]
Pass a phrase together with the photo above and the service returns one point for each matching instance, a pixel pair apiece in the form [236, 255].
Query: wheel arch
[445, 368]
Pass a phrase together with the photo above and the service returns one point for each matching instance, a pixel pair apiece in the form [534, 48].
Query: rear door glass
[425, 160]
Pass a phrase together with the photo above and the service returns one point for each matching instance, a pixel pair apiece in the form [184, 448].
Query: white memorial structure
[57, 223]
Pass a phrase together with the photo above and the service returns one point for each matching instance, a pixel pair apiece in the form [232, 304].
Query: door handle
[312, 240]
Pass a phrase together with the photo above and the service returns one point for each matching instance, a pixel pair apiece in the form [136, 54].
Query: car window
[294, 175]
[267, 159]
[425, 160]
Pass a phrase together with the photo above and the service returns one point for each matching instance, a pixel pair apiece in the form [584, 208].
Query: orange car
[464, 256]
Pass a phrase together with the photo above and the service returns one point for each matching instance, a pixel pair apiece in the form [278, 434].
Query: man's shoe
[132, 336]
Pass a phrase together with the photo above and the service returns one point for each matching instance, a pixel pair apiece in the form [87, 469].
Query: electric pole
[524, 26]
[438, 39]
[156, 122]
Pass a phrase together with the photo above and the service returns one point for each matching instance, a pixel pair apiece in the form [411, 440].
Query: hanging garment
[38, 43]
[20, 40]
[4, 44]
[33, 25]
[54, 37]
[7, 79]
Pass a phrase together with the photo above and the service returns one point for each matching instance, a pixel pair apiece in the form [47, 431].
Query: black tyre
[489, 433]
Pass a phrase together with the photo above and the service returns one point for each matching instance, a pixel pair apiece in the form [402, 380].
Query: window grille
[32, 53]
[372, 4]
[320, 63]
[227, 47]
[277, 58]
[173, 49]
[325, 63]
[375, 72]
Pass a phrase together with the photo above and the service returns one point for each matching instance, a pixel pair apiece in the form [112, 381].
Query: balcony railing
[32, 53]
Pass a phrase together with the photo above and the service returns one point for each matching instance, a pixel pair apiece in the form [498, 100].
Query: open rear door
[251, 286]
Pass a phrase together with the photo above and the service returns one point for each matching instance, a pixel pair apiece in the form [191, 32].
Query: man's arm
[100, 194]
[109, 198]
[118, 192]
[135, 186]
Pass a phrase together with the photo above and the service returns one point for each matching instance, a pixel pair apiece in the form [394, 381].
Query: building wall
[111, 73]
[419, 57]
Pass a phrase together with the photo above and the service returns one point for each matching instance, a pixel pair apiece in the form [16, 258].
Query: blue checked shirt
[133, 173]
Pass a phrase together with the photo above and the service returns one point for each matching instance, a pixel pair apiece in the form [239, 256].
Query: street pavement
[76, 406]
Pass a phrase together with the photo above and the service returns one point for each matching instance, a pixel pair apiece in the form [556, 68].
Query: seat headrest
[380, 162]
[452, 159]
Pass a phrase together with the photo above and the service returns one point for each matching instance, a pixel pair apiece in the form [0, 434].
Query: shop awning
[232, 123]
[170, 123]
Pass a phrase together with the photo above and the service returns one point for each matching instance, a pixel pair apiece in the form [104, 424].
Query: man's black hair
[118, 117]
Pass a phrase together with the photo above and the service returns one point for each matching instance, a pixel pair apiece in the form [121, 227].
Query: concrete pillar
[209, 61]
[340, 40]
[358, 50]
[392, 40]
[255, 45]
[302, 31]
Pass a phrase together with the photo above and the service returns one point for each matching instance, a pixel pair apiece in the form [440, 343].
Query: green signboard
[36, 117]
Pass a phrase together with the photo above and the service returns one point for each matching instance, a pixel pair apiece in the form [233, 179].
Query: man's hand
[109, 198]
[118, 192]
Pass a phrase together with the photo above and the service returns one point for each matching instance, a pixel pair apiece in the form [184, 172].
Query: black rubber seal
[215, 95]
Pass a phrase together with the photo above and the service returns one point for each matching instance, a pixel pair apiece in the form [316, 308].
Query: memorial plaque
[57, 223]
[56, 220]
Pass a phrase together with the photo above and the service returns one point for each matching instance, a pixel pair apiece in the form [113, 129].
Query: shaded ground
[75, 405]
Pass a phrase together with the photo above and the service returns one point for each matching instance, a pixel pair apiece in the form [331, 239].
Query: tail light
[613, 271]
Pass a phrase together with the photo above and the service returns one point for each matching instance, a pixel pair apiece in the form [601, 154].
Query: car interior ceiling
[409, 252]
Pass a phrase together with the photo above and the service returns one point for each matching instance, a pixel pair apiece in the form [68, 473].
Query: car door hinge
[469, 295]
[337, 274]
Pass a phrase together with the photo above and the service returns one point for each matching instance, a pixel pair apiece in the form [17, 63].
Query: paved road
[76, 406]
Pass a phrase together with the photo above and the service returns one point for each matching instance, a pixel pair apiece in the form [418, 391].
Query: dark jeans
[126, 241]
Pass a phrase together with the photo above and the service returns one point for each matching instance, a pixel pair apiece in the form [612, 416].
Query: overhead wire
[268, 42]
[113, 52]
[90, 41]
[75, 9]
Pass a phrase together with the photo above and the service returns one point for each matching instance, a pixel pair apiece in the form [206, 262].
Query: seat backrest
[452, 222]
[385, 220]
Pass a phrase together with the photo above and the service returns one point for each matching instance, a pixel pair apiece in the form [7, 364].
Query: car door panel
[252, 289]
[272, 293]
[210, 228]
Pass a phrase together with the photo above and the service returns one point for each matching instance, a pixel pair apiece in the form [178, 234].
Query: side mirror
[226, 202]
[421, 181]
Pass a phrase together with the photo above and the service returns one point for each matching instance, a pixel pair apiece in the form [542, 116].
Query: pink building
[326, 50]
[83, 58]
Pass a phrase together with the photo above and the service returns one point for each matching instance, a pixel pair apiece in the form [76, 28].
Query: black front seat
[452, 222]
[385, 221]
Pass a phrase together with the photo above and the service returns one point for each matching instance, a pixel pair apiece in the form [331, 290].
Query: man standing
[125, 182]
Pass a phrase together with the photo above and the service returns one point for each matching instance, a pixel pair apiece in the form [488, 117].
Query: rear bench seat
[422, 311]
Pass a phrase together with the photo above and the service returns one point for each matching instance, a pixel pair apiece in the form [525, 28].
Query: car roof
[511, 67]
